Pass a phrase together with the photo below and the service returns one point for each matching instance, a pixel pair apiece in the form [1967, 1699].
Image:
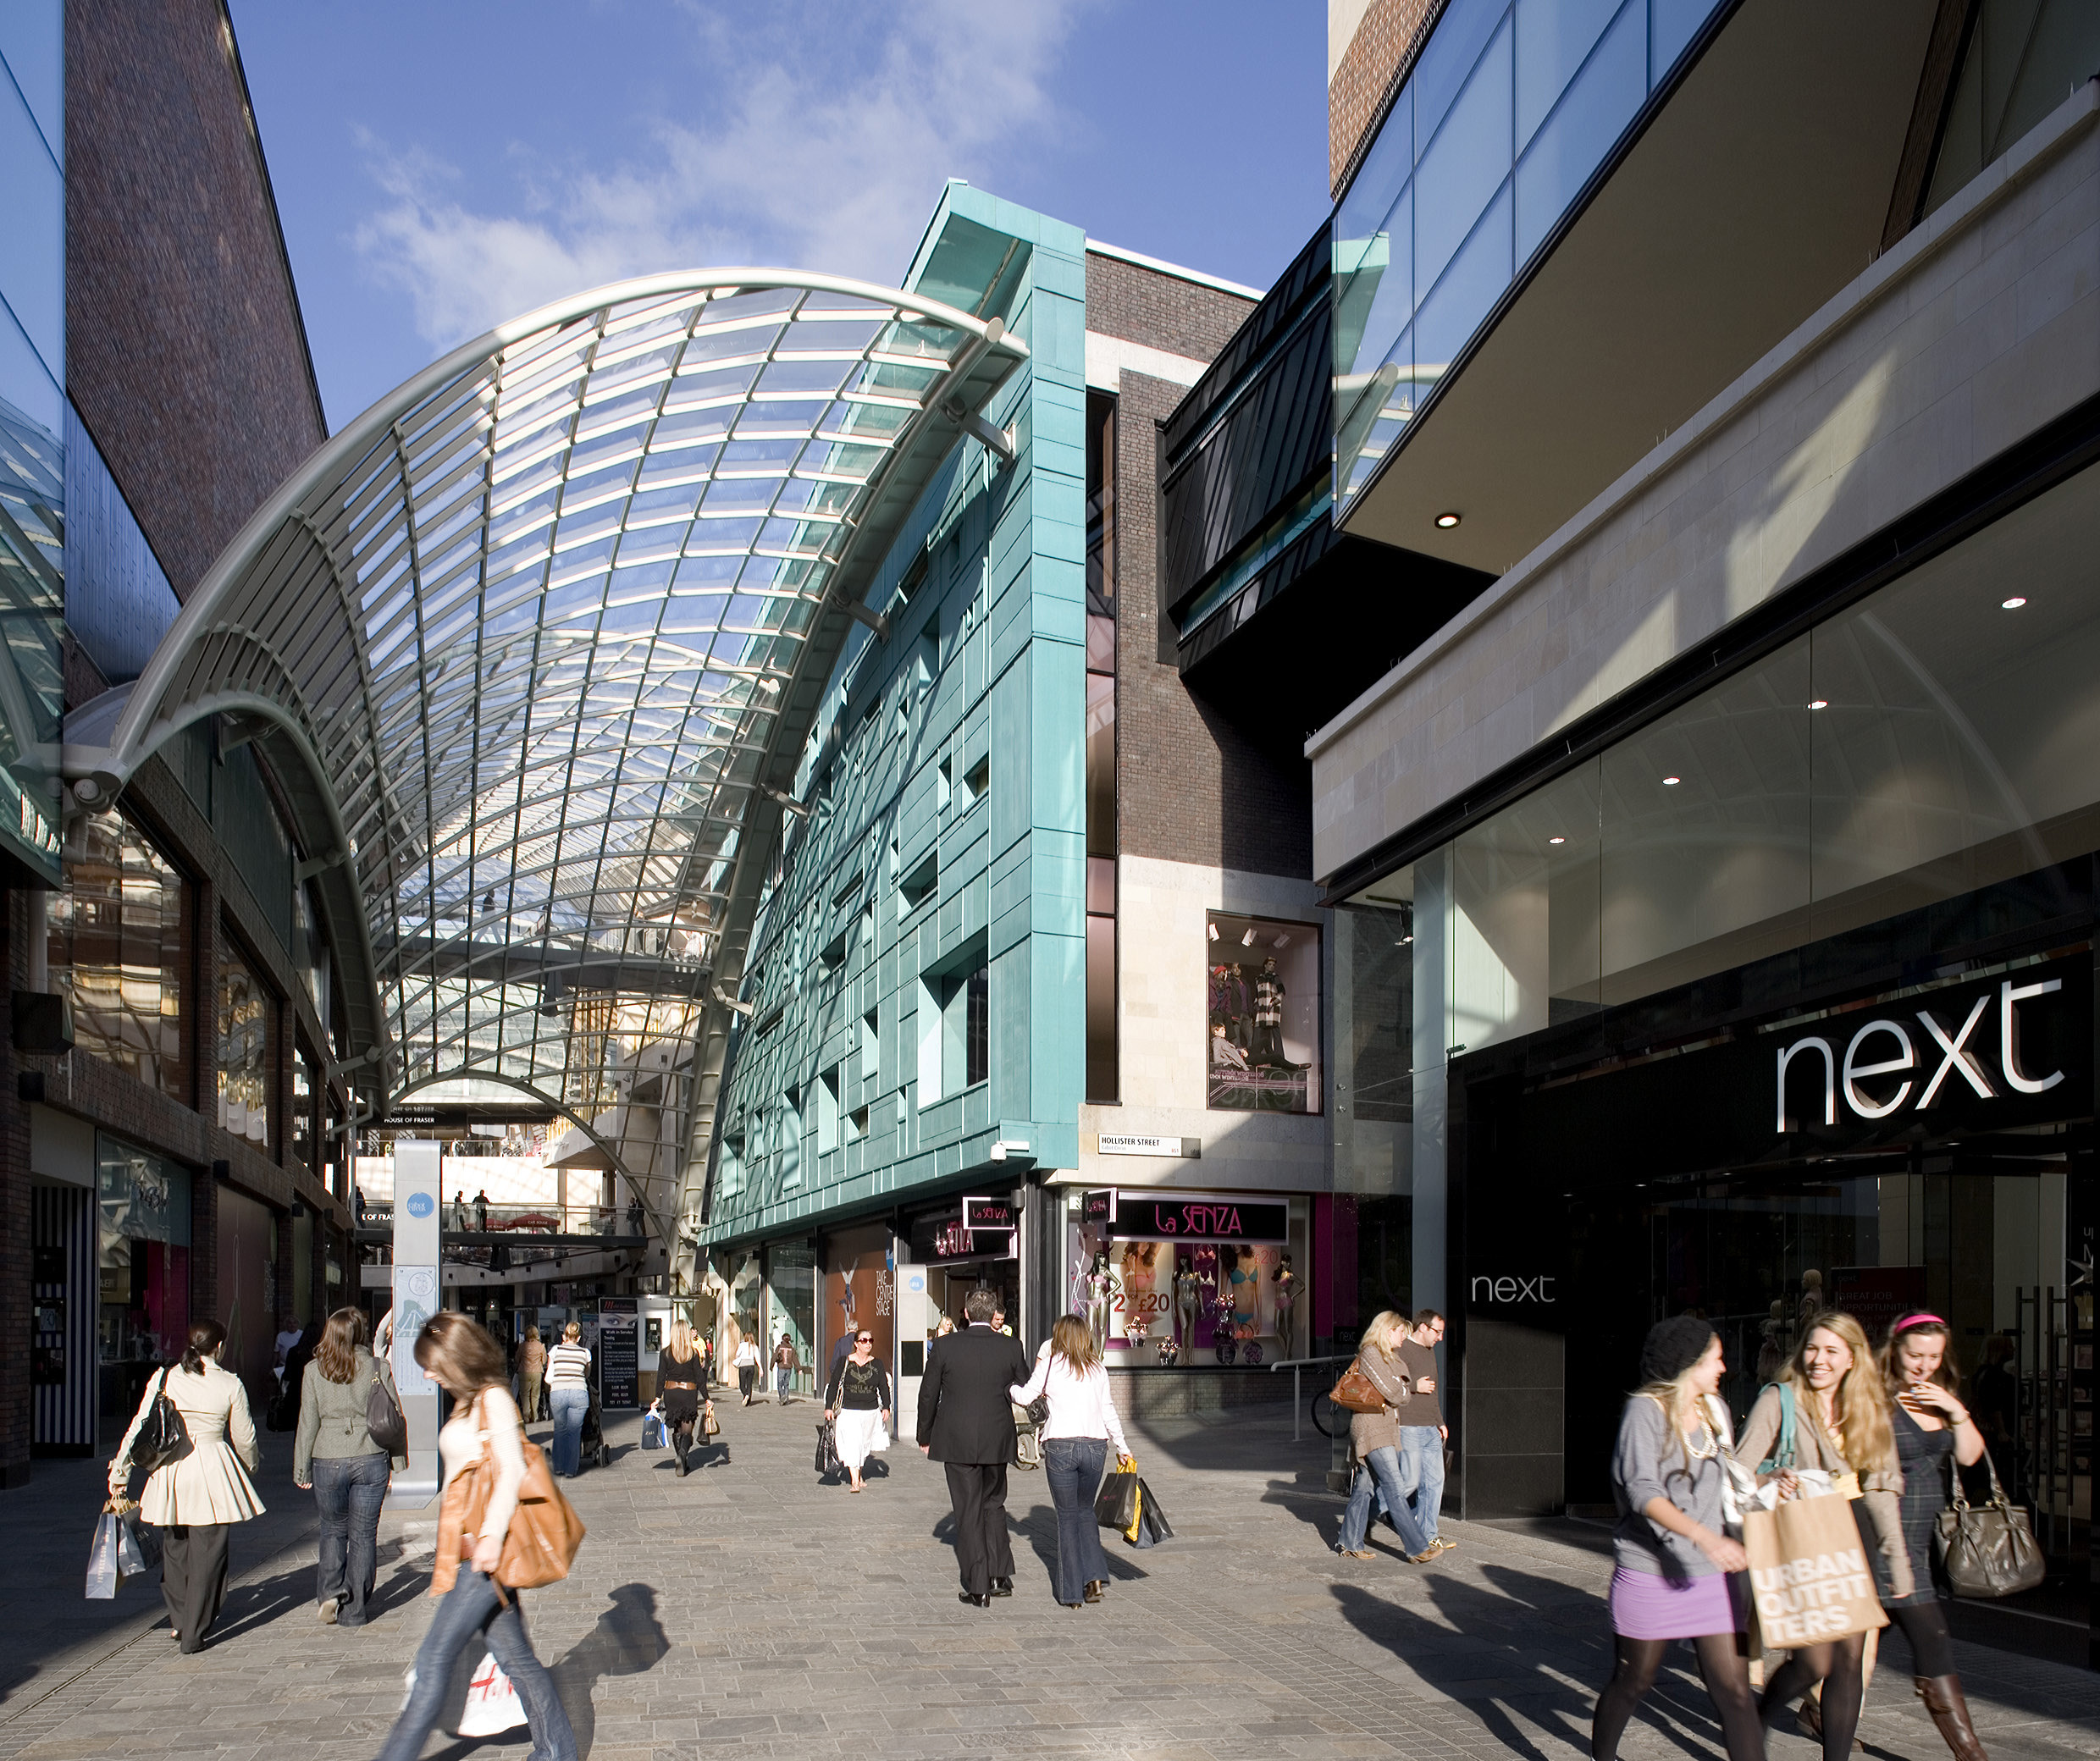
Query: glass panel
[32, 43]
[1522, 929]
[1706, 832]
[143, 1268]
[32, 270]
[1450, 55]
[1264, 1002]
[1552, 38]
[1470, 287]
[244, 1050]
[1464, 164]
[1373, 1009]
[1100, 779]
[1101, 885]
[1961, 742]
[117, 943]
[1591, 118]
[1104, 1062]
[1676, 22]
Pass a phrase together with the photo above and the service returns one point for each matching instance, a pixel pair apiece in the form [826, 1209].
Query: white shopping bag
[492, 1702]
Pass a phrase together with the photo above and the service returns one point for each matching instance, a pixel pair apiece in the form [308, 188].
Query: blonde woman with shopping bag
[1825, 1428]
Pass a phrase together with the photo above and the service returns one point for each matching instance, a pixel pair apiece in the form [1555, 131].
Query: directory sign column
[418, 1181]
[618, 1353]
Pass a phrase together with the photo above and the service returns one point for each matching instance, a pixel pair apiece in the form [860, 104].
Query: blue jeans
[1421, 1473]
[348, 1491]
[570, 1405]
[1381, 1474]
[471, 1610]
[1073, 1465]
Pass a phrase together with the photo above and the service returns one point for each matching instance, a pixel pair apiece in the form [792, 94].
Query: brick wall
[185, 351]
[1140, 304]
[1378, 56]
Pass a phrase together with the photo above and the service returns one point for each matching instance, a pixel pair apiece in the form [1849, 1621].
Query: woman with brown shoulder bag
[1375, 1435]
[488, 1465]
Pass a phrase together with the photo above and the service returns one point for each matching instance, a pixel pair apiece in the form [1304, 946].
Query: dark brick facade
[1191, 786]
[1388, 38]
[185, 354]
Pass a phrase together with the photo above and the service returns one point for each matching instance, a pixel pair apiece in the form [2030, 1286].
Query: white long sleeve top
[1079, 1405]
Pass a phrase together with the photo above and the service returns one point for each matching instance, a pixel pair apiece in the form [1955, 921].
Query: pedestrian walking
[1845, 1428]
[966, 1423]
[568, 1395]
[1672, 1553]
[857, 1401]
[195, 1502]
[459, 1213]
[1375, 1436]
[1422, 1432]
[786, 1363]
[481, 1212]
[467, 1363]
[1932, 1426]
[1083, 1422]
[334, 1458]
[746, 1361]
[682, 1378]
[532, 1374]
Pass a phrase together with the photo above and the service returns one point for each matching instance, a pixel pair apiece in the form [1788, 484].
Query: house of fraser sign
[1967, 1049]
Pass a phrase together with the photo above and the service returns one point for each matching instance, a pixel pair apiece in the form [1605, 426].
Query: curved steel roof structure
[534, 644]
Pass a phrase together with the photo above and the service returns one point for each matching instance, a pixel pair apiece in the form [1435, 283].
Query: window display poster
[860, 1291]
[619, 1343]
[1264, 1015]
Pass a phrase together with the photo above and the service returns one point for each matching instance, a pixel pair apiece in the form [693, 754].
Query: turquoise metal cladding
[947, 828]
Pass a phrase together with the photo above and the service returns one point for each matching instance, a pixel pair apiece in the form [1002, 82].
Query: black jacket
[964, 1411]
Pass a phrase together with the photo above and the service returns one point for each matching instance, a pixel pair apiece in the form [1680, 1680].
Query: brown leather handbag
[540, 1545]
[1357, 1393]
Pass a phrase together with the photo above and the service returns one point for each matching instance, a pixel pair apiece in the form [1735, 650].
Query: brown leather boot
[1941, 1695]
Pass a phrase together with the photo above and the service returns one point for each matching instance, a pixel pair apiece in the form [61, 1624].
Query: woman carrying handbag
[335, 1457]
[1842, 1428]
[1932, 1425]
[1070, 1389]
[484, 1440]
[197, 1496]
[1375, 1436]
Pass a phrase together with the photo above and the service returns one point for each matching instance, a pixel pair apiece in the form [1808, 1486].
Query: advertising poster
[619, 1348]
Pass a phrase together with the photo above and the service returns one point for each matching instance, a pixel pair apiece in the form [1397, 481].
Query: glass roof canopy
[534, 645]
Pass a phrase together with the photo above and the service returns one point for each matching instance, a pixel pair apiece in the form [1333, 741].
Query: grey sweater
[1650, 1463]
[332, 1416]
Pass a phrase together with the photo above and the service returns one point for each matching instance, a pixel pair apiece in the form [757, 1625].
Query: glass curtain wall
[144, 1255]
[1512, 106]
[1102, 1058]
[245, 1020]
[118, 948]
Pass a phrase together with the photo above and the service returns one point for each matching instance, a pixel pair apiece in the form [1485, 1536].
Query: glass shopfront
[859, 1290]
[144, 1258]
[1783, 1002]
[955, 1259]
[790, 1304]
[1188, 1280]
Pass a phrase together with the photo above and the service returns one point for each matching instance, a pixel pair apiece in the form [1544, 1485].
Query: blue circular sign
[420, 1204]
[917, 1283]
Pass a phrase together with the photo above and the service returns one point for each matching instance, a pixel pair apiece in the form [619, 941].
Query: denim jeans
[571, 1406]
[1421, 1473]
[348, 1491]
[470, 1610]
[782, 1378]
[1381, 1474]
[1073, 1465]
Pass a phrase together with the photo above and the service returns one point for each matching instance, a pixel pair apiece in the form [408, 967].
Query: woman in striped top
[568, 1396]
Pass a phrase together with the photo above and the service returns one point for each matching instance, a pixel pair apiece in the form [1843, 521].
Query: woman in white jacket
[1075, 1439]
[197, 1501]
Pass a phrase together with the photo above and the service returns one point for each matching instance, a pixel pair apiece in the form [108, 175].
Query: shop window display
[1264, 996]
[144, 1260]
[244, 1050]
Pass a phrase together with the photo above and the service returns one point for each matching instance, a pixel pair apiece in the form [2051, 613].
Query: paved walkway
[749, 1610]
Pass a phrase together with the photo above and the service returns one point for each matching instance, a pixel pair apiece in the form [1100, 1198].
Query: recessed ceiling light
[1819, 703]
[1670, 782]
[1556, 841]
[2013, 604]
[1445, 521]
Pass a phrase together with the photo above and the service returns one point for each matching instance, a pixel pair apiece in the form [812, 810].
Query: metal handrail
[1297, 1367]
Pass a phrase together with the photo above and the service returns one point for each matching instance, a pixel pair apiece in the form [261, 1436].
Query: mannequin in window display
[1141, 1270]
[1243, 1290]
[1268, 1019]
[1188, 1300]
[1223, 1054]
[1231, 1004]
[1284, 1295]
[1812, 1303]
[1101, 1294]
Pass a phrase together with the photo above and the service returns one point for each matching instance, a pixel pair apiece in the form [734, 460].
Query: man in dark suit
[966, 1423]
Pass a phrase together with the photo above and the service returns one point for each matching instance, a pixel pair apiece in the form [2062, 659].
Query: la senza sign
[1937, 1053]
[1215, 1216]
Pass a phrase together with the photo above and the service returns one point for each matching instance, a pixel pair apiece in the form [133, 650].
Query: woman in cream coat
[196, 1501]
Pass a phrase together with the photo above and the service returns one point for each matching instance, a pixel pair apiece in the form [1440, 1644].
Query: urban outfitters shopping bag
[1810, 1578]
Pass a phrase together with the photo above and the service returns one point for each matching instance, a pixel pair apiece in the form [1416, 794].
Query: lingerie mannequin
[1188, 1298]
[1102, 1289]
[1286, 1294]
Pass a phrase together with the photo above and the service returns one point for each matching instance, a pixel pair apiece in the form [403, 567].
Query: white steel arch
[537, 641]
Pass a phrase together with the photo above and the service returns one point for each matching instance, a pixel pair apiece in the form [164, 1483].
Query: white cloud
[831, 131]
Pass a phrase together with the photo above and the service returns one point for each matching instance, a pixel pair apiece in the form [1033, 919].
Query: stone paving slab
[750, 1610]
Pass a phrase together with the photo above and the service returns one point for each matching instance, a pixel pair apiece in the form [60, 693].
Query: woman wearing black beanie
[1673, 1554]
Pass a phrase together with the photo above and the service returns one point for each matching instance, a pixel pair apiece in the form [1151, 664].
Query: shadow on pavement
[628, 1640]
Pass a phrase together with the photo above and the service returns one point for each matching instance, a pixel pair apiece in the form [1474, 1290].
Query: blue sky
[440, 168]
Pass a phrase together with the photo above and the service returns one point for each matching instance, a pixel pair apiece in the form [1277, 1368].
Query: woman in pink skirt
[1672, 1551]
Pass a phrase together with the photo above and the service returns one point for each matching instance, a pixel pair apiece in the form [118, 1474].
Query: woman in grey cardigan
[1376, 1437]
[334, 1458]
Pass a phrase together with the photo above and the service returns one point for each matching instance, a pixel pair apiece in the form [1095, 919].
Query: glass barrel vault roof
[545, 626]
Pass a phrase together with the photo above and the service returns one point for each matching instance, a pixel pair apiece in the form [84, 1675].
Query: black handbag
[1988, 1550]
[164, 1438]
[828, 1461]
[384, 1418]
[1115, 1505]
[1038, 1411]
